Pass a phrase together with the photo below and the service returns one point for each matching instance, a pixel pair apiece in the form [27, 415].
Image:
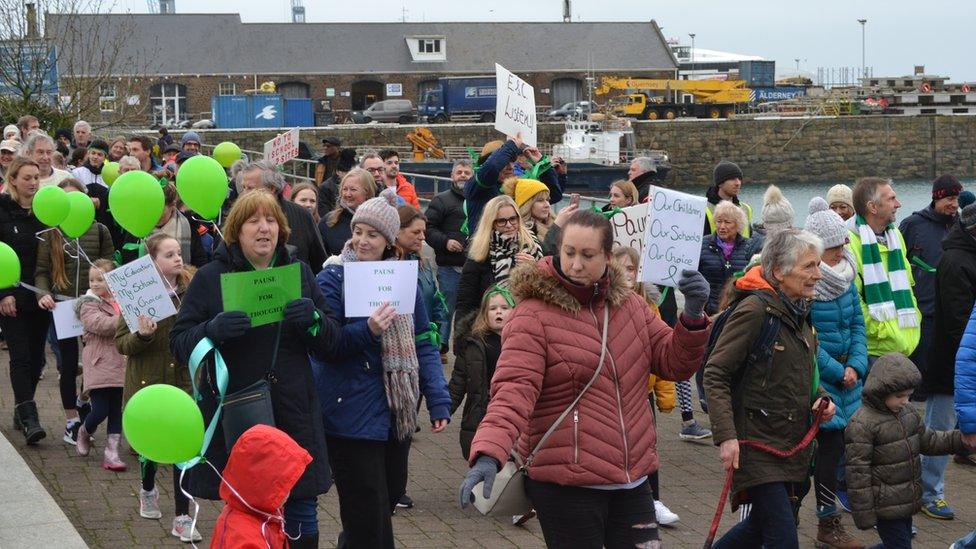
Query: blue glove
[300, 312]
[695, 289]
[228, 325]
[484, 470]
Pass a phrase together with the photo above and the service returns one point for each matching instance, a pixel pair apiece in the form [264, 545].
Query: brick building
[344, 66]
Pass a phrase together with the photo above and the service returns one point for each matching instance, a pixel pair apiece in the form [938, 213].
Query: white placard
[66, 322]
[514, 106]
[140, 291]
[629, 226]
[672, 241]
[367, 284]
[283, 148]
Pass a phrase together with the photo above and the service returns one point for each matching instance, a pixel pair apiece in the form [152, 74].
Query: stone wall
[782, 150]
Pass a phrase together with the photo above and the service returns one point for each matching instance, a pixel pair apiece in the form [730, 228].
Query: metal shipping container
[758, 73]
[778, 93]
[267, 111]
[298, 113]
[231, 111]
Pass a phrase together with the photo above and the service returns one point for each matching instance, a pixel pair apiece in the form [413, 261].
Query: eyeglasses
[513, 221]
[376, 170]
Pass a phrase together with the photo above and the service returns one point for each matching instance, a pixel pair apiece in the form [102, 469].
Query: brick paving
[103, 505]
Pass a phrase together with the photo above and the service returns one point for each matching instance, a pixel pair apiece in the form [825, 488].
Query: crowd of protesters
[560, 353]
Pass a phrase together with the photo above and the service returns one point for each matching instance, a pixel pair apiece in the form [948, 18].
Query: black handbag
[251, 405]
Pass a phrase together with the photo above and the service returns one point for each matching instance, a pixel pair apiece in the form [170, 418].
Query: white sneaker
[149, 504]
[183, 529]
[664, 515]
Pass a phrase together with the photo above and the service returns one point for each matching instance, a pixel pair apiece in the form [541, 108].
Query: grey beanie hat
[826, 224]
[777, 213]
[190, 136]
[968, 217]
[381, 214]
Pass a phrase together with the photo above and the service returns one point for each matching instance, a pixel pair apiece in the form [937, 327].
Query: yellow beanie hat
[525, 189]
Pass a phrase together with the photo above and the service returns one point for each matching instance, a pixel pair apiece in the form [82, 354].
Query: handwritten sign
[367, 284]
[66, 322]
[140, 291]
[629, 226]
[514, 106]
[261, 294]
[673, 237]
[283, 148]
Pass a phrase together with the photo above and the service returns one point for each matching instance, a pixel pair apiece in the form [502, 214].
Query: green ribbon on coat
[433, 335]
[538, 168]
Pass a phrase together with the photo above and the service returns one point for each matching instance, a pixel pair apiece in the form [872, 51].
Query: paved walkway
[103, 505]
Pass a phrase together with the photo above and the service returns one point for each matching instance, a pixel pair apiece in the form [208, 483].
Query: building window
[227, 88]
[430, 45]
[106, 97]
[168, 104]
[426, 49]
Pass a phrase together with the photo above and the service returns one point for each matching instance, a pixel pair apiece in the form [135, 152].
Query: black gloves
[300, 312]
[228, 325]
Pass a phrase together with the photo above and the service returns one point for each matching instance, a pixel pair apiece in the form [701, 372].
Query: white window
[106, 97]
[227, 88]
[426, 49]
[168, 103]
[430, 45]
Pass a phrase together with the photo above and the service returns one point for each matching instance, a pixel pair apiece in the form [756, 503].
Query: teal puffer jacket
[843, 342]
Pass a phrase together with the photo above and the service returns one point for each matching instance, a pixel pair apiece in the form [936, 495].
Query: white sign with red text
[283, 148]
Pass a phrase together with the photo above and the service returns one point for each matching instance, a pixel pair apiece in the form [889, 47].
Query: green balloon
[110, 172]
[50, 205]
[80, 215]
[136, 201]
[163, 424]
[202, 184]
[9, 267]
[226, 153]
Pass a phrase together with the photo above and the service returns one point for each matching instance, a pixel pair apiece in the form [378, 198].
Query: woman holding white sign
[369, 388]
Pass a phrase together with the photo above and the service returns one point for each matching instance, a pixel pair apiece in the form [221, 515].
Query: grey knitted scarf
[835, 281]
[401, 369]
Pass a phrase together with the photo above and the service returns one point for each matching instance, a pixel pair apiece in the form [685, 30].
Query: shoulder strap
[562, 416]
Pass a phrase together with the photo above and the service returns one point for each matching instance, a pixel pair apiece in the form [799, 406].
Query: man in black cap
[727, 181]
[923, 232]
[329, 159]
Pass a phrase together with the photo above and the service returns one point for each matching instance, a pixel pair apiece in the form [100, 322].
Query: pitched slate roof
[222, 44]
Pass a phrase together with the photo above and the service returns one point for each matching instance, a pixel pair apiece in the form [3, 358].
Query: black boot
[30, 425]
[16, 420]
[307, 541]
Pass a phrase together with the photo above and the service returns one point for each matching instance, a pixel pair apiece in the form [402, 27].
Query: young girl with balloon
[150, 362]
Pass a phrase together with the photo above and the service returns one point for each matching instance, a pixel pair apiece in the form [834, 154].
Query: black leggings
[106, 403]
[69, 373]
[181, 503]
[830, 450]
[26, 335]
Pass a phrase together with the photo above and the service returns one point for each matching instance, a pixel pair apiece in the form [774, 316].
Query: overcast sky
[822, 33]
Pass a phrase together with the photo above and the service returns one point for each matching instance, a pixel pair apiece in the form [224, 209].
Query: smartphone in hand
[574, 199]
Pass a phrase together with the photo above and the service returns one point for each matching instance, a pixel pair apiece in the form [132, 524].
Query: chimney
[919, 70]
[31, 10]
[567, 11]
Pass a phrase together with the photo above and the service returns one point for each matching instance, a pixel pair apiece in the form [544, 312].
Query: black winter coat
[471, 381]
[445, 216]
[17, 229]
[955, 291]
[304, 235]
[335, 237]
[923, 232]
[248, 358]
[717, 271]
[476, 277]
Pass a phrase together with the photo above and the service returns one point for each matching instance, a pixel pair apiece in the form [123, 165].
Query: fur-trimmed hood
[543, 281]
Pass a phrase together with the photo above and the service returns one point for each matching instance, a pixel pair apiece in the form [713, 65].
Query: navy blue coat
[717, 271]
[842, 343]
[350, 380]
[248, 359]
[923, 232]
[966, 378]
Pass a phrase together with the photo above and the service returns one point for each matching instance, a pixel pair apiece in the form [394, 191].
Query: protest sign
[514, 106]
[672, 240]
[367, 284]
[140, 291]
[629, 226]
[261, 294]
[283, 148]
[66, 322]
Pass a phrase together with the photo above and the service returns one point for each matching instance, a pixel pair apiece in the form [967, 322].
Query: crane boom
[705, 91]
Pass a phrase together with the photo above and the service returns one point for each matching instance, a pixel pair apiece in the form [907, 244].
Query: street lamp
[862, 22]
[692, 35]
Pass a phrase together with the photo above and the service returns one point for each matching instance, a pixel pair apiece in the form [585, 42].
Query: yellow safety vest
[745, 231]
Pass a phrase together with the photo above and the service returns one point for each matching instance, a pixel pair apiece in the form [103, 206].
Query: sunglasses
[513, 221]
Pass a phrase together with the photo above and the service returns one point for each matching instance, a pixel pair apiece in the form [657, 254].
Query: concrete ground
[103, 505]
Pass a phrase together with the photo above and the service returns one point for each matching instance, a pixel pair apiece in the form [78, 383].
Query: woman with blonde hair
[532, 199]
[356, 187]
[500, 242]
[623, 194]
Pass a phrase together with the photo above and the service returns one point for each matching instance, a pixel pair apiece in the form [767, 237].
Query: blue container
[298, 113]
[758, 73]
[778, 93]
[267, 111]
[231, 111]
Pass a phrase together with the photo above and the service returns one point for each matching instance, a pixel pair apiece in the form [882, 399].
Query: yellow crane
[713, 98]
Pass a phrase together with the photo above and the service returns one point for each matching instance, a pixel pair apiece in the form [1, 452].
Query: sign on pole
[261, 294]
[672, 240]
[514, 106]
[367, 284]
[140, 291]
[66, 322]
[283, 148]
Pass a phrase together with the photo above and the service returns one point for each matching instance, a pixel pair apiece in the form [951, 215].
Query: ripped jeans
[583, 518]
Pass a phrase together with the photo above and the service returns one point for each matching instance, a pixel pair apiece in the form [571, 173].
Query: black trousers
[573, 517]
[181, 504]
[106, 403]
[68, 384]
[370, 476]
[26, 335]
[830, 450]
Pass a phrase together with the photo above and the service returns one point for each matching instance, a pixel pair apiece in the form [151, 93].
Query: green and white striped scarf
[886, 291]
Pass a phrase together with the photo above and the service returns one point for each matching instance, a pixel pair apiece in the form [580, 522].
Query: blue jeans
[894, 533]
[301, 517]
[967, 542]
[940, 415]
[447, 279]
[770, 522]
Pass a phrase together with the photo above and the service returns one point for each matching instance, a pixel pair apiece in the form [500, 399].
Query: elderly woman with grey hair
[768, 402]
[304, 241]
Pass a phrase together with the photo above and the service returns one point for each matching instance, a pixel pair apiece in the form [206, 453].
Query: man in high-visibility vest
[727, 179]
